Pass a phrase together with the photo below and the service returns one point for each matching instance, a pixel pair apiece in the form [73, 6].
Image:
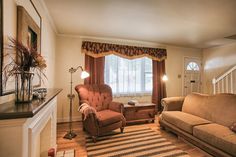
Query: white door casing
[192, 75]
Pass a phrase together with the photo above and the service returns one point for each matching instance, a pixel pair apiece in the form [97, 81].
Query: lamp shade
[84, 74]
[165, 78]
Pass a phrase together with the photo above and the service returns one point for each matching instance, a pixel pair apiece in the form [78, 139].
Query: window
[128, 77]
[193, 66]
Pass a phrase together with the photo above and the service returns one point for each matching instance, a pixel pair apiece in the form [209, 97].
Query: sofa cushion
[107, 117]
[217, 135]
[183, 120]
[211, 107]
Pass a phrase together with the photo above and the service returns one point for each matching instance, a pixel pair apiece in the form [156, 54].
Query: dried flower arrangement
[26, 59]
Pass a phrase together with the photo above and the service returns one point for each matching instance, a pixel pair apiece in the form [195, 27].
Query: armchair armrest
[83, 101]
[116, 106]
[172, 103]
[91, 125]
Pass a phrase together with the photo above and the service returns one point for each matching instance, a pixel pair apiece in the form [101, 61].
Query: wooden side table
[140, 112]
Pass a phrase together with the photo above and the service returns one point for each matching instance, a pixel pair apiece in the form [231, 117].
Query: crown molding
[116, 41]
[120, 41]
[48, 16]
[68, 35]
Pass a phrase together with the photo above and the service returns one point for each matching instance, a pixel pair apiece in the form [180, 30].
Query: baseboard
[66, 119]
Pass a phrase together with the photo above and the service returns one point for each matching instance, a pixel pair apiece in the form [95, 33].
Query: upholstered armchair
[109, 115]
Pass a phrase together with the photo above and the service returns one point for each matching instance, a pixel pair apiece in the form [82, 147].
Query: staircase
[225, 83]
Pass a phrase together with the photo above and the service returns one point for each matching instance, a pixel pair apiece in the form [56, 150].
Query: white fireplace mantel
[34, 133]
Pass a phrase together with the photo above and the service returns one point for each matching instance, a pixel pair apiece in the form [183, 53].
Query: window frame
[143, 91]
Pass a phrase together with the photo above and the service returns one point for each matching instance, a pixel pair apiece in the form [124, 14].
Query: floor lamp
[70, 134]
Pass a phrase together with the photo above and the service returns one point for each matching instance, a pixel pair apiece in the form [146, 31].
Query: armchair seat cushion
[183, 120]
[108, 117]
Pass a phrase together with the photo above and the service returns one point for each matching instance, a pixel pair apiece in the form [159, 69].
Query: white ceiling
[190, 23]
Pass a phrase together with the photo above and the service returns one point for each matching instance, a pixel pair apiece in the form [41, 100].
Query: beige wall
[48, 35]
[216, 61]
[175, 66]
[69, 54]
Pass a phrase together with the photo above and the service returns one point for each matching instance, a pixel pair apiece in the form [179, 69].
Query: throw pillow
[233, 127]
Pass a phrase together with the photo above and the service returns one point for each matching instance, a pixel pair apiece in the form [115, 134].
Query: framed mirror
[19, 20]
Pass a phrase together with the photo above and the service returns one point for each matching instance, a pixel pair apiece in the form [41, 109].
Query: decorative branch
[26, 59]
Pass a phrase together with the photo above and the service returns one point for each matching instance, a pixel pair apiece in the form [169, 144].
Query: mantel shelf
[11, 110]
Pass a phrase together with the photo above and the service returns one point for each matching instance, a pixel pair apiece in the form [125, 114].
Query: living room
[151, 53]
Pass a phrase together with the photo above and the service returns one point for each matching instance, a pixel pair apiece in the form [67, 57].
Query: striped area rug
[134, 142]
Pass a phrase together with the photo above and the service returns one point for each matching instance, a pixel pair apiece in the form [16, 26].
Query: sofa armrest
[172, 103]
[116, 106]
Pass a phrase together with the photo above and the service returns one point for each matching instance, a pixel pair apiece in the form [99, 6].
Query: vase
[24, 86]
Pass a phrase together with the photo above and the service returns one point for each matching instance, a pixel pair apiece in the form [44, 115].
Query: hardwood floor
[78, 143]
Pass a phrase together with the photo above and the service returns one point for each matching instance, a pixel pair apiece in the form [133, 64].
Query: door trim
[183, 70]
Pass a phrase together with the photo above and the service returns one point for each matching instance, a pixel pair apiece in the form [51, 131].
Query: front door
[192, 75]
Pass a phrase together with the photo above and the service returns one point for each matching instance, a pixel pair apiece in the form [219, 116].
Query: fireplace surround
[29, 130]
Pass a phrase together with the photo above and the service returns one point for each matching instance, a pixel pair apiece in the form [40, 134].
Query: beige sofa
[203, 120]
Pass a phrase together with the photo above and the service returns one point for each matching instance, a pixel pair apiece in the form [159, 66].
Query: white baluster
[214, 85]
[227, 83]
[231, 83]
[222, 86]
[218, 87]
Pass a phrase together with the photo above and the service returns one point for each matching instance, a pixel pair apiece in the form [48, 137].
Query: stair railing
[225, 83]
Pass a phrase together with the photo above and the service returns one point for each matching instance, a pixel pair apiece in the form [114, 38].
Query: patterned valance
[96, 49]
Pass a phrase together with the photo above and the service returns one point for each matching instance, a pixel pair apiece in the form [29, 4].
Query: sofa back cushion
[219, 108]
[97, 96]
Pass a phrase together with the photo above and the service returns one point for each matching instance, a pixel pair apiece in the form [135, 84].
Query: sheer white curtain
[128, 77]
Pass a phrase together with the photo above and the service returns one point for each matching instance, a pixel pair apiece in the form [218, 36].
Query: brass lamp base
[70, 135]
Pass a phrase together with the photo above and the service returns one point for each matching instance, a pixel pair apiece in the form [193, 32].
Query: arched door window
[193, 66]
